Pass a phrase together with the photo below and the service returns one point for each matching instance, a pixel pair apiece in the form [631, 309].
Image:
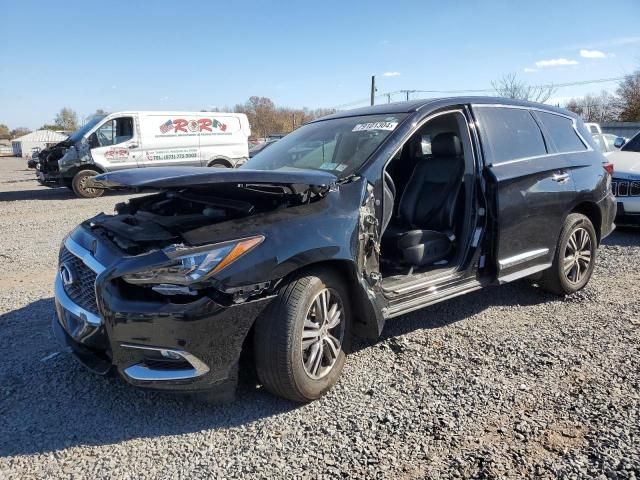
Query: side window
[510, 133]
[104, 134]
[115, 131]
[562, 133]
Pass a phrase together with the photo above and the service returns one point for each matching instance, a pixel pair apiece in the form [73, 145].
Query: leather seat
[428, 203]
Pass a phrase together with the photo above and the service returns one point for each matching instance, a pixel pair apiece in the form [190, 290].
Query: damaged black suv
[350, 220]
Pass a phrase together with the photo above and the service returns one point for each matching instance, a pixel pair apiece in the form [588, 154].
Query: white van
[144, 139]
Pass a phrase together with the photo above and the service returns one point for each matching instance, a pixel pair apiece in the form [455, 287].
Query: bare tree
[629, 93]
[596, 108]
[19, 131]
[67, 119]
[510, 86]
[265, 118]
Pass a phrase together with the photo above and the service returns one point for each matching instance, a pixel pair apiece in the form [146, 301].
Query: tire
[218, 164]
[569, 273]
[78, 185]
[284, 364]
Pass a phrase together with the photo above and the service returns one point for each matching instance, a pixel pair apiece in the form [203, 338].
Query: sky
[169, 55]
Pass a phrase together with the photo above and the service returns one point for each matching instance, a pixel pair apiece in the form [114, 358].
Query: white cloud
[164, 99]
[391, 74]
[592, 53]
[530, 70]
[555, 62]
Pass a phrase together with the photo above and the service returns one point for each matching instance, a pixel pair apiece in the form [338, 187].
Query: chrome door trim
[522, 258]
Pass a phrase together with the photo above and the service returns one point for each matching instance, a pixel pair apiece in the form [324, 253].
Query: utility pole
[373, 89]
[388, 97]
[407, 92]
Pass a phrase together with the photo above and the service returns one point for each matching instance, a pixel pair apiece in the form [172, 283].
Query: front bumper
[190, 347]
[628, 211]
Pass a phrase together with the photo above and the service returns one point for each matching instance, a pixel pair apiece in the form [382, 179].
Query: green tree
[4, 132]
[67, 119]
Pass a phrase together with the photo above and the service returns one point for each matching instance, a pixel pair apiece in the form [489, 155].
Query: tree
[50, 126]
[510, 86]
[265, 118]
[596, 108]
[629, 93]
[67, 119]
[20, 131]
[5, 134]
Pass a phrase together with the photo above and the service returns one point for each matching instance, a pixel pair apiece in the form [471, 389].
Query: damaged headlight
[194, 264]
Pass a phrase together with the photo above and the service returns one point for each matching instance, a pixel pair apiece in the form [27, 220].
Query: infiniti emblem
[66, 274]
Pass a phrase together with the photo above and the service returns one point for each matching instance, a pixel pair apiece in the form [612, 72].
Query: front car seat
[428, 203]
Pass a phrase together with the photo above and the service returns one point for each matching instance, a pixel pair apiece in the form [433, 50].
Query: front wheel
[575, 257]
[79, 185]
[301, 338]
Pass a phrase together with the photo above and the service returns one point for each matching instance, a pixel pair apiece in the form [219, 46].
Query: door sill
[404, 284]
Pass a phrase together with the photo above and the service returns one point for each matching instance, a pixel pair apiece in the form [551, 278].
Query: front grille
[82, 289]
[625, 188]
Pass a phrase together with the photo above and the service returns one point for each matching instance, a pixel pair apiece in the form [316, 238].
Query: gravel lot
[507, 382]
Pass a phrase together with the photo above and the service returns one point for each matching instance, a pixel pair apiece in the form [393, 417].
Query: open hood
[181, 177]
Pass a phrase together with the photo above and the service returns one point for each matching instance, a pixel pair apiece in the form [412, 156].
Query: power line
[479, 90]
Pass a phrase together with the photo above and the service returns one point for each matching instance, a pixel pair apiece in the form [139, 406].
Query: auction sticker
[361, 127]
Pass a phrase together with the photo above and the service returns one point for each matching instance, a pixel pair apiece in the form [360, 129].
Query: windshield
[92, 122]
[632, 145]
[339, 146]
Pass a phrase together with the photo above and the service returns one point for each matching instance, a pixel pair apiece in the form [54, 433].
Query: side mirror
[619, 142]
[93, 141]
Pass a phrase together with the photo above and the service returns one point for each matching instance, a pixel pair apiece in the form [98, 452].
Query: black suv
[350, 220]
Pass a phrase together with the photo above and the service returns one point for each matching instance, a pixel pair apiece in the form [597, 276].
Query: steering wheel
[102, 139]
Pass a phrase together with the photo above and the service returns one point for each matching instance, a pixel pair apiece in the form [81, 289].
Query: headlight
[194, 264]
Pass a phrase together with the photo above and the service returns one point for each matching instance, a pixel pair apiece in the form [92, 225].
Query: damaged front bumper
[189, 347]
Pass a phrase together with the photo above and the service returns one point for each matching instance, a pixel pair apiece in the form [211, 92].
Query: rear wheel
[575, 257]
[301, 338]
[79, 185]
[218, 164]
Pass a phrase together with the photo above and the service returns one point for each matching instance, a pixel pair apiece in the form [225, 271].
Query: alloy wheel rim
[322, 334]
[577, 255]
[83, 186]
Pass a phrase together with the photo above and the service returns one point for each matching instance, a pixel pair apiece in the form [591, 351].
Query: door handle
[560, 177]
[133, 145]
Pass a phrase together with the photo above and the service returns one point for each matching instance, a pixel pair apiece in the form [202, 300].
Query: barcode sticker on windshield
[361, 127]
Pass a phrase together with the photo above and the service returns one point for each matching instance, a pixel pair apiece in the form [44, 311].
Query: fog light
[170, 354]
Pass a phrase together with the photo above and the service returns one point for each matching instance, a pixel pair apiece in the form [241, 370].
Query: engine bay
[157, 220]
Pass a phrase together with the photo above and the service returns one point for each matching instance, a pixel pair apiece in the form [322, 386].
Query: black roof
[436, 103]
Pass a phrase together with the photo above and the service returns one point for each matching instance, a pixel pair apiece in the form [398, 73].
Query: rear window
[510, 133]
[563, 135]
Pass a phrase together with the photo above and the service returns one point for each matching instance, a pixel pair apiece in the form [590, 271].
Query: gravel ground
[508, 382]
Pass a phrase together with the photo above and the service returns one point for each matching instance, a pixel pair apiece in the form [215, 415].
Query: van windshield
[92, 122]
[339, 146]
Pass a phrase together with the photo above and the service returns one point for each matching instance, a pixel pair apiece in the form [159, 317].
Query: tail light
[608, 166]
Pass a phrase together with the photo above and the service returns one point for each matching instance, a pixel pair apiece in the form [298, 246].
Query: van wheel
[301, 338]
[79, 185]
[575, 257]
[218, 164]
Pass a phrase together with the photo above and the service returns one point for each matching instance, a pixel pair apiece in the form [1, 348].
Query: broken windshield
[339, 146]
